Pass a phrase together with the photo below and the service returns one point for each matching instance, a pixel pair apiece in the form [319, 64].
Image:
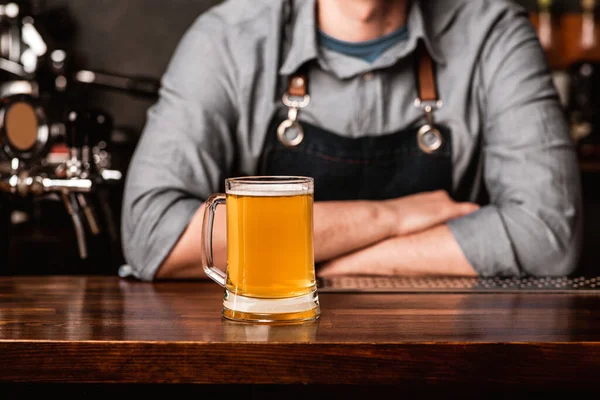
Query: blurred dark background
[131, 37]
[124, 37]
[138, 38]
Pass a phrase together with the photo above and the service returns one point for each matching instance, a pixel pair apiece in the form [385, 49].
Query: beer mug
[270, 256]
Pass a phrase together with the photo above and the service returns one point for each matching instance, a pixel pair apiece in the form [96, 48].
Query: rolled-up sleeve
[184, 150]
[532, 225]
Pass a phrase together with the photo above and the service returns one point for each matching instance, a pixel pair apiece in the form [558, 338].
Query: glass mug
[270, 256]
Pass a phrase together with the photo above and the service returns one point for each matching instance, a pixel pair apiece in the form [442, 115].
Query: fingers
[442, 199]
[426, 210]
[458, 210]
[467, 208]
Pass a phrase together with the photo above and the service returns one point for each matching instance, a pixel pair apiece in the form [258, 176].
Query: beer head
[269, 186]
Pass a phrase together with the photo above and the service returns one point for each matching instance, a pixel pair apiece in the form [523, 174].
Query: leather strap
[298, 85]
[426, 75]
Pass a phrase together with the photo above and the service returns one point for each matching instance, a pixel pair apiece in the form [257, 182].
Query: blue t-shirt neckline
[368, 50]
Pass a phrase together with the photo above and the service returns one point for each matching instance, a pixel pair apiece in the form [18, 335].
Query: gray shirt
[509, 131]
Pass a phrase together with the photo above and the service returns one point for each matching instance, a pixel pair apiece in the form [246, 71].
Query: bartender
[432, 128]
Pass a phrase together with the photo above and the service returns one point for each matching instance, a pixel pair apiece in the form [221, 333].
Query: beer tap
[73, 210]
[21, 180]
[41, 81]
[80, 132]
[76, 133]
[86, 170]
[87, 207]
[101, 128]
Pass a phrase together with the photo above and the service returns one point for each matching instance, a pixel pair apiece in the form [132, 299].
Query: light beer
[270, 257]
[270, 243]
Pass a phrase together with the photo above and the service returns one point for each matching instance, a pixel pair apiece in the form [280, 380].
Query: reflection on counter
[296, 333]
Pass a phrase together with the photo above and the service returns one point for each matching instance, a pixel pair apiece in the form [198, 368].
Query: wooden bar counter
[108, 330]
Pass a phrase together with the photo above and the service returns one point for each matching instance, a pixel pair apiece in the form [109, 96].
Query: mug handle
[206, 239]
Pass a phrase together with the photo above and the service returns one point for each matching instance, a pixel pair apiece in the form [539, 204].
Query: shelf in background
[589, 166]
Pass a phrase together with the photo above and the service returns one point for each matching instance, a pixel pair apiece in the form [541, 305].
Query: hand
[423, 211]
[342, 227]
[433, 252]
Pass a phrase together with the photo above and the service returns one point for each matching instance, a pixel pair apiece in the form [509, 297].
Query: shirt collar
[423, 24]
[304, 46]
[418, 30]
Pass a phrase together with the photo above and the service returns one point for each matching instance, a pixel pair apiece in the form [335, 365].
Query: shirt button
[368, 76]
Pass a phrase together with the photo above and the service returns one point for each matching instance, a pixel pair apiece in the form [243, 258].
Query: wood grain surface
[107, 330]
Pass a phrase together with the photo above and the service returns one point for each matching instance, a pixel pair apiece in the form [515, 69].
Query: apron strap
[425, 76]
[298, 85]
[429, 138]
[425, 71]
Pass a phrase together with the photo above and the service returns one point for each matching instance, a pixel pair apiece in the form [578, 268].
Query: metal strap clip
[429, 138]
[291, 123]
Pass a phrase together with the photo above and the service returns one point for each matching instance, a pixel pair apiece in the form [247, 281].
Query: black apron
[366, 168]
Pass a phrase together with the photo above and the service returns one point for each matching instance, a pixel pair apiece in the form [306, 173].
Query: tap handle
[24, 185]
[89, 213]
[100, 127]
[77, 129]
[72, 208]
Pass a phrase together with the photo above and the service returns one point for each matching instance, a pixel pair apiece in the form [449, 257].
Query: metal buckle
[428, 108]
[433, 104]
[294, 107]
[287, 100]
[283, 128]
[429, 138]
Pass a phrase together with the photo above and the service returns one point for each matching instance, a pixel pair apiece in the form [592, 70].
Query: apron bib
[366, 168]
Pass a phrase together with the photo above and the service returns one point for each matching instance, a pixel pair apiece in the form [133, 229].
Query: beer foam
[271, 190]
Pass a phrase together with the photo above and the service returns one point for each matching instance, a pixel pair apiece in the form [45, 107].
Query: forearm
[513, 239]
[341, 227]
[184, 260]
[428, 253]
[361, 222]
